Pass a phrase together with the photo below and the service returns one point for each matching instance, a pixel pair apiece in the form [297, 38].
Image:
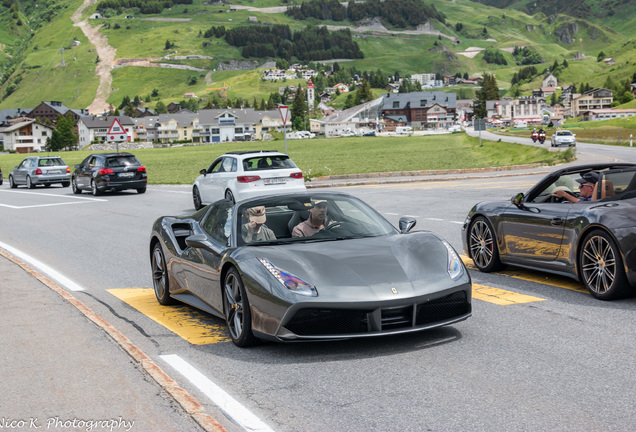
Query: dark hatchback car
[105, 172]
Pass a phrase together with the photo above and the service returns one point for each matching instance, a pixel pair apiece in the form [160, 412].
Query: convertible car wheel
[483, 246]
[237, 310]
[160, 279]
[601, 265]
[196, 198]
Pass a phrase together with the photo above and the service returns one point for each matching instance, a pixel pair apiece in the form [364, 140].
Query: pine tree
[299, 110]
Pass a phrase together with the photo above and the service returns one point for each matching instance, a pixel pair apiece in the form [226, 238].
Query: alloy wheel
[598, 265]
[481, 244]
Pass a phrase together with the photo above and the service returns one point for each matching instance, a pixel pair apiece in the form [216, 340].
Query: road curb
[418, 180]
[180, 395]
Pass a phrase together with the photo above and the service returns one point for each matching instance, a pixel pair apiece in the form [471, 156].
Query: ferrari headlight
[290, 281]
[455, 267]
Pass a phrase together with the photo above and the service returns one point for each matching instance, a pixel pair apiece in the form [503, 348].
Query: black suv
[103, 172]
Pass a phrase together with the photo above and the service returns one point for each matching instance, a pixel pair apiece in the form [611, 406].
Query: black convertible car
[592, 241]
[269, 278]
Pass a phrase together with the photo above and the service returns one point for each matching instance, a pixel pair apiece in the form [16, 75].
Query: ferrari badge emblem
[395, 291]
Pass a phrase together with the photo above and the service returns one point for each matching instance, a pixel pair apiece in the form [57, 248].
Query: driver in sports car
[255, 228]
[587, 183]
[316, 221]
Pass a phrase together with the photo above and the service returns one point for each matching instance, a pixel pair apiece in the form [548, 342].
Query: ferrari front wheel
[482, 245]
[160, 279]
[237, 310]
[601, 266]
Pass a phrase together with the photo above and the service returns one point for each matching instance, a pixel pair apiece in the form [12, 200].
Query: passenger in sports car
[255, 228]
[316, 221]
[587, 183]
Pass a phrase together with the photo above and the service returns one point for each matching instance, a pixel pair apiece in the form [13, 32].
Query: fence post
[619, 137]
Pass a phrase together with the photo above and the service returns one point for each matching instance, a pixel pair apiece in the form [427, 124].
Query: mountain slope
[34, 70]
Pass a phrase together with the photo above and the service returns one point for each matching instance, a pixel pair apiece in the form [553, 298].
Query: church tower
[310, 94]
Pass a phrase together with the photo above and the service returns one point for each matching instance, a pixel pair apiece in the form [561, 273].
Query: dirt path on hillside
[106, 54]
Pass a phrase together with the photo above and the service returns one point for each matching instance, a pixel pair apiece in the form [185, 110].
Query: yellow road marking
[501, 297]
[537, 277]
[194, 326]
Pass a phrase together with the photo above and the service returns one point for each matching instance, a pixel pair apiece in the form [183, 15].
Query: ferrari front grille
[333, 322]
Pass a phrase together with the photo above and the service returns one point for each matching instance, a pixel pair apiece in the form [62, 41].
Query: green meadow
[335, 156]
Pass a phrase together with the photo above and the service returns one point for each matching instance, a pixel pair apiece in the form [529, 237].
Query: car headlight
[289, 281]
[455, 267]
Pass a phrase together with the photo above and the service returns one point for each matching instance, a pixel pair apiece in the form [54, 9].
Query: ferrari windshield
[277, 220]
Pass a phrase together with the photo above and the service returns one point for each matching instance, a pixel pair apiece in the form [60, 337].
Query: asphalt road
[563, 361]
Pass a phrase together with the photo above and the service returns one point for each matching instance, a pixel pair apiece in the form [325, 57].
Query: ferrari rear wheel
[237, 310]
[482, 245]
[601, 266]
[160, 279]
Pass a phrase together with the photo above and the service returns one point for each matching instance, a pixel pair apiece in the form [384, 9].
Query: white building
[25, 136]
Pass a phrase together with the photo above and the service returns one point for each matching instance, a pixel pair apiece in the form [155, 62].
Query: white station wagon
[239, 175]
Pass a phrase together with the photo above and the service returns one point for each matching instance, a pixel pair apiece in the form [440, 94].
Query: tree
[488, 92]
[600, 56]
[299, 110]
[160, 108]
[63, 135]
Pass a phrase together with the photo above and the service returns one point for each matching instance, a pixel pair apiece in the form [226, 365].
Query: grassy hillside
[34, 72]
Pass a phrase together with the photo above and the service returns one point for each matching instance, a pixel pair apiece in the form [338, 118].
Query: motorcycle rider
[534, 135]
[541, 135]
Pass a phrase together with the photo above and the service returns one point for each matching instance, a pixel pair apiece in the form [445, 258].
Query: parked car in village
[40, 170]
[246, 174]
[104, 172]
[563, 138]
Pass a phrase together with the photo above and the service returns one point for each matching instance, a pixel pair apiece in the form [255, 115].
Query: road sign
[117, 132]
[284, 113]
[480, 124]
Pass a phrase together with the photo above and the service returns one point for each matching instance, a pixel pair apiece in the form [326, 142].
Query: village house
[51, 110]
[594, 99]
[91, 129]
[25, 136]
[607, 113]
[434, 109]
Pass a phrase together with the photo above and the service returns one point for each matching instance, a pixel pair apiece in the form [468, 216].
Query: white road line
[84, 199]
[230, 406]
[53, 274]
[457, 222]
[435, 219]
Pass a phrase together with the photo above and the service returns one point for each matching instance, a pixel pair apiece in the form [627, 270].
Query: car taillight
[141, 169]
[297, 175]
[38, 171]
[68, 170]
[105, 171]
[247, 179]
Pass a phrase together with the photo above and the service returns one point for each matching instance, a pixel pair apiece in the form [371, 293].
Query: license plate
[274, 181]
[126, 174]
[53, 171]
